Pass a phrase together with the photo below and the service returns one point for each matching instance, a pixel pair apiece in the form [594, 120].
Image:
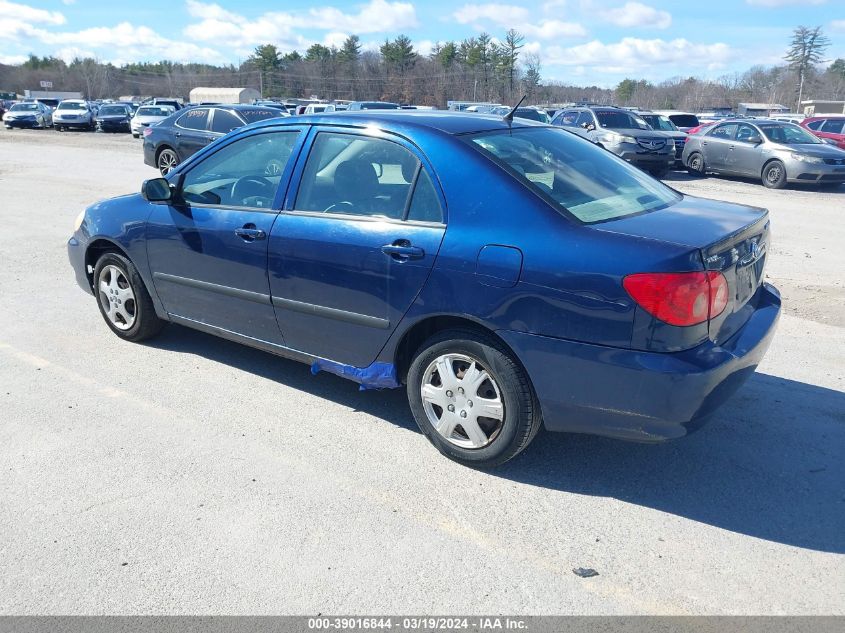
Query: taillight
[679, 298]
[147, 131]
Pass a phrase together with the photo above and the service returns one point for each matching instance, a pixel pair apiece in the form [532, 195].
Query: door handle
[248, 233]
[403, 250]
[703, 143]
[178, 134]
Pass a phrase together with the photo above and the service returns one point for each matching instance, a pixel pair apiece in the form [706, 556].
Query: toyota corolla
[510, 274]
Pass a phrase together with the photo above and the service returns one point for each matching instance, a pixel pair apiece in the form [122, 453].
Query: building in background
[223, 95]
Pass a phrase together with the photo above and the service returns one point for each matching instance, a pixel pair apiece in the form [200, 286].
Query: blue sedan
[509, 273]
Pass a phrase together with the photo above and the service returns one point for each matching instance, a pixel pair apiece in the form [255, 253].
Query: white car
[73, 113]
[148, 115]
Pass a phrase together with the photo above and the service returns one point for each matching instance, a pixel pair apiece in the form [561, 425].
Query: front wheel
[123, 299]
[774, 175]
[167, 160]
[471, 399]
[695, 164]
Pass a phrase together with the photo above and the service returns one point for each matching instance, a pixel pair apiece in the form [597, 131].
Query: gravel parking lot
[193, 475]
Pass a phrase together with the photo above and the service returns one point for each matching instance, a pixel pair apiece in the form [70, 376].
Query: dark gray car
[623, 133]
[662, 123]
[774, 151]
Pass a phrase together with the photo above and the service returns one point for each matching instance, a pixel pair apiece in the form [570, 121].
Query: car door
[744, 155]
[355, 245]
[191, 132]
[715, 145]
[207, 250]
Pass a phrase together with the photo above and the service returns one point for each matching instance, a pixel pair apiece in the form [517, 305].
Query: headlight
[813, 160]
[78, 221]
[626, 139]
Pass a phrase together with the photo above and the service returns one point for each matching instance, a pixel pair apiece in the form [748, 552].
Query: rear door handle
[249, 233]
[402, 250]
[178, 134]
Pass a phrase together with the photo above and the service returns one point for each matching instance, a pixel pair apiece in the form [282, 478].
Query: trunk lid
[731, 238]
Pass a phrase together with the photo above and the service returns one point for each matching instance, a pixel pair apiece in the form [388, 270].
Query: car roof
[397, 120]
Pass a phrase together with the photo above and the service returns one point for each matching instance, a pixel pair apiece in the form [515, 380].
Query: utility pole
[261, 83]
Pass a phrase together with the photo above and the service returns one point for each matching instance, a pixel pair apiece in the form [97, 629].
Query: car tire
[59, 128]
[167, 159]
[696, 165]
[480, 375]
[774, 175]
[123, 299]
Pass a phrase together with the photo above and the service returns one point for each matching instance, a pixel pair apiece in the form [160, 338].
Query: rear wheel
[471, 399]
[167, 160]
[123, 299]
[695, 164]
[774, 175]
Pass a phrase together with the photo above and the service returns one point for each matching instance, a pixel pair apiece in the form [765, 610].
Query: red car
[830, 126]
[703, 126]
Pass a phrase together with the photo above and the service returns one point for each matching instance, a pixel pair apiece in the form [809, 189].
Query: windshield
[26, 107]
[789, 134]
[659, 122]
[616, 120]
[70, 105]
[110, 110]
[154, 111]
[252, 116]
[573, 174]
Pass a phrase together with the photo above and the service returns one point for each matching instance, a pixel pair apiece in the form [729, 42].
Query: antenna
[509, 116]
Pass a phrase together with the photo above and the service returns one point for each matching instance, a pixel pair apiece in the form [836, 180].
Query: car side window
[815, 125]
[585, 117]
[425, 205]
[357, 175]
[725, 132]
[566, 118]
[245, 173]
[833, 126]
[746, 133]
[224, 121]
[195, 119]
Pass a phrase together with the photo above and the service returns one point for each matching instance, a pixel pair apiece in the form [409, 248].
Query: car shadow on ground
[682, 176]
[768, 464]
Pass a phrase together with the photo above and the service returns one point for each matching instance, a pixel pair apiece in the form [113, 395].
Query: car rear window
[684, 120]
[574, 175]
[252, 116]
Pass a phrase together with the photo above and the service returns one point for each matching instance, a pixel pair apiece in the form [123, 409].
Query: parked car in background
[173, 103]
[147, 115]
[185, 132]
[623, 133]
[662, 123]
[30, 115]
[50, 103]
[638, 340]
[773, 151]
[702, 126]
[114, 117]
[372, 105]
[831, 127]
[685, 121]
[73, 113]
[316, 108]
[525, 112]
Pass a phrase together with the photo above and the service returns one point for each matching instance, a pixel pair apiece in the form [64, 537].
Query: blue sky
[578, 41]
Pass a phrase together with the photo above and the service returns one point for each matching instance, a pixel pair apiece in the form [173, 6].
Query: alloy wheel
[117, 297]
[462, 401]
[167, 160]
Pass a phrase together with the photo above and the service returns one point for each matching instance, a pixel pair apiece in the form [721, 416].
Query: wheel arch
[97, 248]
[427, 327]
[771, 160]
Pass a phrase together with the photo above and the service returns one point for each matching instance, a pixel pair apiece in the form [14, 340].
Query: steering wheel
[345, 204]
[242, 190]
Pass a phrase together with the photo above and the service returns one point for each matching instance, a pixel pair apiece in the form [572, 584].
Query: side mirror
[755, 140]
[156, 190]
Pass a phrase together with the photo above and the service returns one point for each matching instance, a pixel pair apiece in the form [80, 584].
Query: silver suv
[623, 133]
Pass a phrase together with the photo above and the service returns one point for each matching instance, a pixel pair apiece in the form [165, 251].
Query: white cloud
[68, 2]
[26, 13]
[519, 18]
[13, 60]
[838, 26]
[377, 16]
[782, 3]
[634, 54]
[635, 14]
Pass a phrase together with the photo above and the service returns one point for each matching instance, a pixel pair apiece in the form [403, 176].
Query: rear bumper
[636, 395]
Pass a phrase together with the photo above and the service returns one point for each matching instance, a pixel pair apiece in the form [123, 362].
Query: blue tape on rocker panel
[375, 376]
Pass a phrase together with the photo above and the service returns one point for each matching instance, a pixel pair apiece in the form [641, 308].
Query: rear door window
[195, 119]
[815, 125]
[224, 121]
[833, 126]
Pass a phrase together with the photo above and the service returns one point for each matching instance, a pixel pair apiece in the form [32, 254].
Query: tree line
[481, 68]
